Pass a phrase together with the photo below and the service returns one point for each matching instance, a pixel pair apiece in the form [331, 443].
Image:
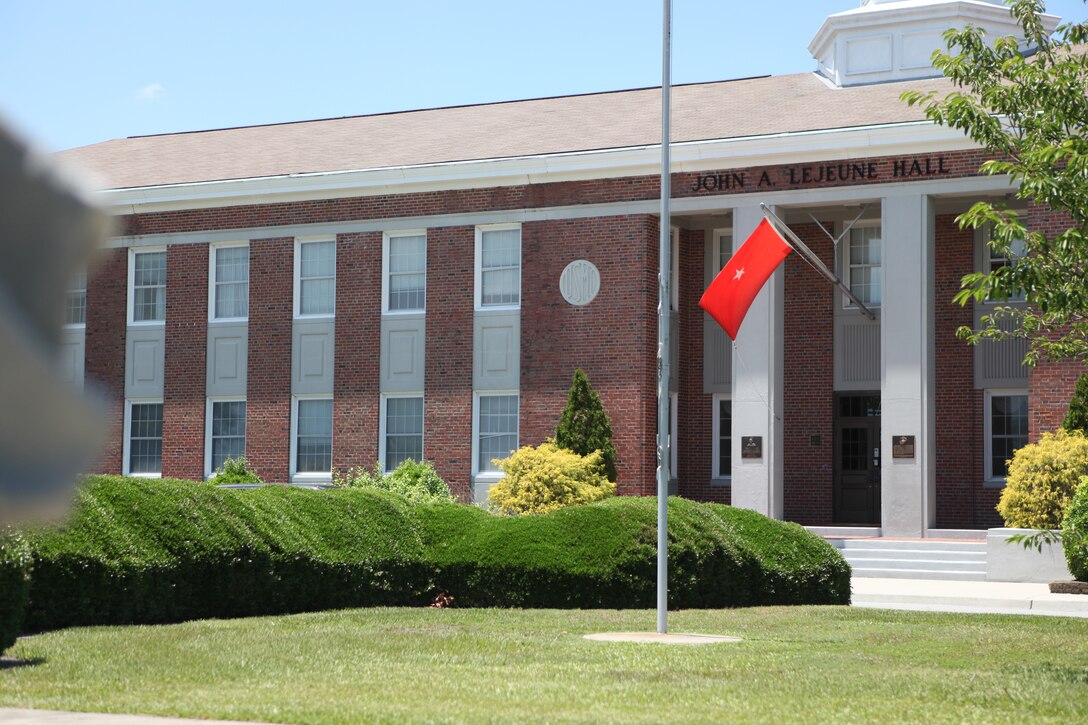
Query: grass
[796, 664]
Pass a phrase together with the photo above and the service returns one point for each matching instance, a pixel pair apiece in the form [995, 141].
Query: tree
[584, 426]
[1077, 417]
[1031, 110]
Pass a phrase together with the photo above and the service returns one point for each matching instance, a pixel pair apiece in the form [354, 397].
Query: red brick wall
[104, 360]
[962, 500]
[956, 163]
[268, 381]
[185, 361]
[695, 414]
[613, 339]
[447, 402]
[1050, 384]
[356, 374]
[808, 383]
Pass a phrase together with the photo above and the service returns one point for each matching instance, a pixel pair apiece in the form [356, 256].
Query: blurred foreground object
[49, 433]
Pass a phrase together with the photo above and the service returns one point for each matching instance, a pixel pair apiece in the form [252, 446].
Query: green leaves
[1031, 110]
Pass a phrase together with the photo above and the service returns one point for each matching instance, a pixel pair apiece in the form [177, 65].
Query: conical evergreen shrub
[584, 426]
[1077, 417]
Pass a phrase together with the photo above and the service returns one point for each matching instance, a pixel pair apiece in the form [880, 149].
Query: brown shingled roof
[726, 109]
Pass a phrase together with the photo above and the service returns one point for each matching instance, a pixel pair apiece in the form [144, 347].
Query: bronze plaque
[902, 446]
[751, 447]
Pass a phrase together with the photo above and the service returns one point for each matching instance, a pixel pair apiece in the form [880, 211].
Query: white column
[757, 387]
[907, 373]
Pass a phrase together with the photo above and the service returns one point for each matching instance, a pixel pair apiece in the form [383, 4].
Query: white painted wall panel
[496, 351]
[402, 354]
[72, 356]
[144, 354]
[227, 359]
[312, 356]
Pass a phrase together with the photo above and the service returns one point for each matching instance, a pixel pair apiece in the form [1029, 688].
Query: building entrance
[856, 488]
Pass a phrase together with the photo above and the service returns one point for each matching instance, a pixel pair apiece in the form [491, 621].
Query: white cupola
[892, 40]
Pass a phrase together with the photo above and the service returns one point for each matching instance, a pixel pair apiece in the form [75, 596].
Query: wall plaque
[902, 446]
[580, 282]
[751, 447]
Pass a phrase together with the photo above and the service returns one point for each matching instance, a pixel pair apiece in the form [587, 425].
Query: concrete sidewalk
[966, 596]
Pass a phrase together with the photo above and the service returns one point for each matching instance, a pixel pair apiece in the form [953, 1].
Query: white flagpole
[663, 372]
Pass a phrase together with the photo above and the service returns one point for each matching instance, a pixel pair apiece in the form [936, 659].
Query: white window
[226, 434]
[723, 248]
[496, 430]
[401, 430]
[143, 439]
[498, 266]
[75, 307]
[312, 439]
[230, 282]
[405, 280]
[147, 287]
[315, 278]
[863, 255]
[1006, 431]
[995, 260]
[722, 465]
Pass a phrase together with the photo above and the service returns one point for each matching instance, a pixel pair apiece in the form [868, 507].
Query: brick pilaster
[185, 361]
[107, 321]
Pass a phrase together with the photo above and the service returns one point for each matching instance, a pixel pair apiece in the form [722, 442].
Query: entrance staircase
[963, 560]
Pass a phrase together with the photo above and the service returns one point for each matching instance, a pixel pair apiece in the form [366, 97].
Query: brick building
[330, 293]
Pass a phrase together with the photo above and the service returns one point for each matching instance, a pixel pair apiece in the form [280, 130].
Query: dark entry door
[857, 459]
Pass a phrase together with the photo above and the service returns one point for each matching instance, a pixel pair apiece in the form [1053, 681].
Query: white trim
[70, 290]
[489, 476]
[126, 438]
[386, 237]
[131, 290]
[311, 477]
[988, 478]
[213, 250]
[209, 472]
[382, 412]
[297, 285]
[760, 150]
[715, 426]
[478, 271]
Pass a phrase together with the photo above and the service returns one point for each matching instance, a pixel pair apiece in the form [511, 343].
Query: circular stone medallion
[580, 282]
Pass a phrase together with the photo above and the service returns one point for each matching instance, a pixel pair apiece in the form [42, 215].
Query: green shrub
[604, 555]
[1041, 480]
[148, 551]
[1077, 417]
[145, 551]
[235, 470]
[546, 478]
[1075, 533]
[584, 427]
[14, 585]
[414, 480]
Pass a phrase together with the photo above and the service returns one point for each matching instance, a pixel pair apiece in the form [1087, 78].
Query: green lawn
[796, 664]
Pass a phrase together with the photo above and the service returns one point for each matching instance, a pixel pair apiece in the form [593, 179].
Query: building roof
[581, 123]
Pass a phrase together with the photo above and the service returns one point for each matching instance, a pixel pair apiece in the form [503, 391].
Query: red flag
[729, 296]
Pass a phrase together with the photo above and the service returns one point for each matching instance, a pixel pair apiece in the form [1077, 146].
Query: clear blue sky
[74, 72]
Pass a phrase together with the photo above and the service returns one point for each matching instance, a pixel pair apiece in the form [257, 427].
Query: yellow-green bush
[547, 478]
[1041, 480]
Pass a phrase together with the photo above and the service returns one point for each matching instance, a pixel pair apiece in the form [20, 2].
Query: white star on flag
[739, 274]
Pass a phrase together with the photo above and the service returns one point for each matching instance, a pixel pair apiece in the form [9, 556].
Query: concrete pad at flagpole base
[657, 637]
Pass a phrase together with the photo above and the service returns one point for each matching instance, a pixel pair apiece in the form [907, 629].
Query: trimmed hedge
[149, 551]
[14, 586]
[605, 555]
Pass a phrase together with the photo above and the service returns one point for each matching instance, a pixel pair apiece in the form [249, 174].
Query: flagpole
[663, 367]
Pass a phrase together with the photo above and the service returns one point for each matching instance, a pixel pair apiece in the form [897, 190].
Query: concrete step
[919, 574]
[935, 554]
[908, 544]
[913, 563]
